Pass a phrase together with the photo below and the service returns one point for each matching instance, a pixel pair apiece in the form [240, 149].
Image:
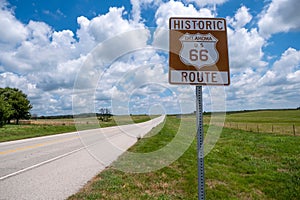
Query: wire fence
[61, 122]
[47, 122]
[285, 129]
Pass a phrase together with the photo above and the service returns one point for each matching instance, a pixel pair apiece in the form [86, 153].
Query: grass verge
[16, 132]
[242, 165]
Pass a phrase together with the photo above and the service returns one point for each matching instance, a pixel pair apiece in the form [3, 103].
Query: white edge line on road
[37, 138]
[52, 159]
[55, 158]
[64, 134]
[40, 164]
[50, 136]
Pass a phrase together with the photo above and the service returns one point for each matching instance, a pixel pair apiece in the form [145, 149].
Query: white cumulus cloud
[245, 48]
[174, 9]
[280, 16]
[241, 18]
[12, 32]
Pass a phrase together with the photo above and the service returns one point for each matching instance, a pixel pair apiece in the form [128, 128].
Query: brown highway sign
[198, 53]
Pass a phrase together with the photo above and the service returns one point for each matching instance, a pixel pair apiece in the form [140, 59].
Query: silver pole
[200, 146]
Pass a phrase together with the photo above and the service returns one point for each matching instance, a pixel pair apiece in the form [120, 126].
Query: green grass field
[242, 165]
[266, 116]
[285, 122]
[56, 126]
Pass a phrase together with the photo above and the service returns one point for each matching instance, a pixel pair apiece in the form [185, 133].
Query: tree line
[14, 105]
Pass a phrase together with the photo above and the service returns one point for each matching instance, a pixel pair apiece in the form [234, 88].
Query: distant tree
[17, 104]
[104, 114]
[34, 116]
[5, 111]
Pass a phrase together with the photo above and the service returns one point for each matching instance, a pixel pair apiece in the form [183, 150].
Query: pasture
[285, 122]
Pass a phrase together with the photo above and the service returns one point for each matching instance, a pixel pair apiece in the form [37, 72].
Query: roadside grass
[11, 132]
[15, 132]
[242, 165]
[124, 119]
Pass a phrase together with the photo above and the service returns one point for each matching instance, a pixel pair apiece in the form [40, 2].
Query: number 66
[201, 55]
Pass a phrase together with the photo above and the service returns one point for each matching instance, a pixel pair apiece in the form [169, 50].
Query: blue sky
[46, 48]
[62, 14]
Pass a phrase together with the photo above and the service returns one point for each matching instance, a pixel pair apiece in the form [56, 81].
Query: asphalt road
[55, 167]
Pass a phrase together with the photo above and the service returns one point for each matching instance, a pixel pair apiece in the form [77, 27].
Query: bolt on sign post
[198, 55]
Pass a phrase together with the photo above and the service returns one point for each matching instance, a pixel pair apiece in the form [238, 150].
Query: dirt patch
[213, 183]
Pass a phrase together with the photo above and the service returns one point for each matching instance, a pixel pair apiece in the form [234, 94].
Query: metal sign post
[198, 56]
[200, 146]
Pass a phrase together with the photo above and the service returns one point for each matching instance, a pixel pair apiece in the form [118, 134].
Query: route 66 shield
[198, 50]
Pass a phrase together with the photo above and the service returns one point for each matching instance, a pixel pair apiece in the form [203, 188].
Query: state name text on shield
[198, 50]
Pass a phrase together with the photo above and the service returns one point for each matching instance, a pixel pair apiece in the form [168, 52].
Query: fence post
[257, 129]
[294, 131]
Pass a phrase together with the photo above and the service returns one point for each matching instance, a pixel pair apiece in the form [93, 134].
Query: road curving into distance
[57, 166]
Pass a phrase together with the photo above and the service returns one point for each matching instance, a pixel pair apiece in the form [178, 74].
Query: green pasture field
[242, 165]
[272, 121]
[46, 127]
[266, 116]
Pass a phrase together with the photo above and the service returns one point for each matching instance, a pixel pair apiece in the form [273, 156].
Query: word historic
[198, 24]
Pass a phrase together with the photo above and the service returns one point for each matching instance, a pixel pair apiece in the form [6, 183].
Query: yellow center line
[35, 145]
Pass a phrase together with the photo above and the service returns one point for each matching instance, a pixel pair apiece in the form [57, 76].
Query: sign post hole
[198, 55]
